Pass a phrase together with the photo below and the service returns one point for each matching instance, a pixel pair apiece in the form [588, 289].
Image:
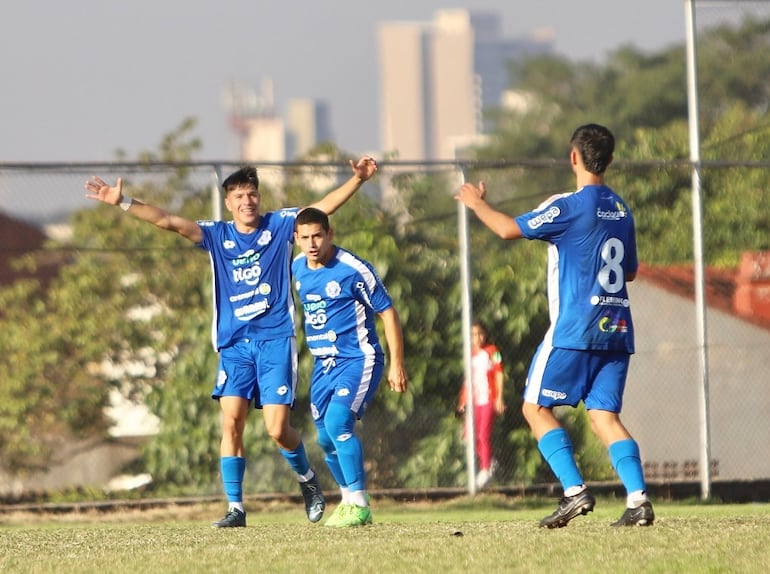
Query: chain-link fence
[507, 282]
[418, 440]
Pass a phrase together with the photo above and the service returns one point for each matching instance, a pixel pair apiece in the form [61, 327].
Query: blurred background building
[438, 77]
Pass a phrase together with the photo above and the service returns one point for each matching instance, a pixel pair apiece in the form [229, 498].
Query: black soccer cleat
[640, 516]
[569, 508]
[315, 504]
[233, 519]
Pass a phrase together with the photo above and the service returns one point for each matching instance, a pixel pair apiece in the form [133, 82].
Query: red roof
[743, 291]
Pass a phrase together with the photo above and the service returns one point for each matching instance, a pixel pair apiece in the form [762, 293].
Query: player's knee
[339, 420]
[233, 427]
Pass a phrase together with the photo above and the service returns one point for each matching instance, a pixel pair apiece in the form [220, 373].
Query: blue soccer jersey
[340, 301]
[251, 274]
[592, 249]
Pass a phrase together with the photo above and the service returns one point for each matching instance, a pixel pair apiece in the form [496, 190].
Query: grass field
[486, 534]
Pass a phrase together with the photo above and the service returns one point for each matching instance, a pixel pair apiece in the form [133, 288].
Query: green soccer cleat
[354, 516]
[337, 515]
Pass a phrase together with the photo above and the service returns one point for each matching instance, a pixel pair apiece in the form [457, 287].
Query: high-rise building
[307, 125]
[436, 78]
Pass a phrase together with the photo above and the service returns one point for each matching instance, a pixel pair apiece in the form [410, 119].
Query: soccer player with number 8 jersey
[585, 353]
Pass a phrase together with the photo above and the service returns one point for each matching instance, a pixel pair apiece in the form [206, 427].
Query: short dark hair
[245, 176]
[312, 215]
[595, 144]
[481, 326]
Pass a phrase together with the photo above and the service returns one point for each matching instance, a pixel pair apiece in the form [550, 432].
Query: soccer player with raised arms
[253, 321]
[585, 353]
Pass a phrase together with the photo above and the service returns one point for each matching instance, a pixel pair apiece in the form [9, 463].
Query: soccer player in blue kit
[586, 351]
[253, 323]
[340, 295]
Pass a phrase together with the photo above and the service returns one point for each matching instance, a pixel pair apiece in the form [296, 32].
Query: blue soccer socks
[556, 447]
[233, 468]
[297, 459]
[627, 462]
[340, 424]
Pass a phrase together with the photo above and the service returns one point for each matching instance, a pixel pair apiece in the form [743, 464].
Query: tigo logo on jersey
[250, 275]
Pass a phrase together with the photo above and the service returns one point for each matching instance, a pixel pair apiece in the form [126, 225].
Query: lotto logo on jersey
[546, 217]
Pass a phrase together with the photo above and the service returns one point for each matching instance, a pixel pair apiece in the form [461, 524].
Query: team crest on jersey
[265, 237]
[333, 289]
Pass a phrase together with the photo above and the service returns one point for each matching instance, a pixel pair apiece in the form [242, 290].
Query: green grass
[487, 534]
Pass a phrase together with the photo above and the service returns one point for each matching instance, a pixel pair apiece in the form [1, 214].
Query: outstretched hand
[364, 168]
[102, 191]
[472, 195]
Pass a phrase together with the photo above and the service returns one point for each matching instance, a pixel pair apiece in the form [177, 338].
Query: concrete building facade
[436, 79]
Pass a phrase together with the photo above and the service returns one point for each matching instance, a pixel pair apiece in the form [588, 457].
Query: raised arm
[363, 169]
[501, 224]
[113, 195]
[395, 338]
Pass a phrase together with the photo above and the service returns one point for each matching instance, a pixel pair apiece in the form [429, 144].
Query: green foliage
[130, 309]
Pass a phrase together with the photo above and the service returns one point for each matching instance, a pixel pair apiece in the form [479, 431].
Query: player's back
[593, 248]
[595, 254]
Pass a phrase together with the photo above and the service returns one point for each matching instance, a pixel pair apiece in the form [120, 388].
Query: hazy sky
[82, 78]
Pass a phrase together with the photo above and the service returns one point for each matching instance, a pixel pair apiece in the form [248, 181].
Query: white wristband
[126, 203]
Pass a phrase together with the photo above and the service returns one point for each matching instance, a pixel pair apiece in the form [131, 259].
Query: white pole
[700, 283]
[216, 194]
[467, 312]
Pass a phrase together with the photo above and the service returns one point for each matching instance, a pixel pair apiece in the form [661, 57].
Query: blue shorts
[351, 382]
[566, 377]
[262, 371]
